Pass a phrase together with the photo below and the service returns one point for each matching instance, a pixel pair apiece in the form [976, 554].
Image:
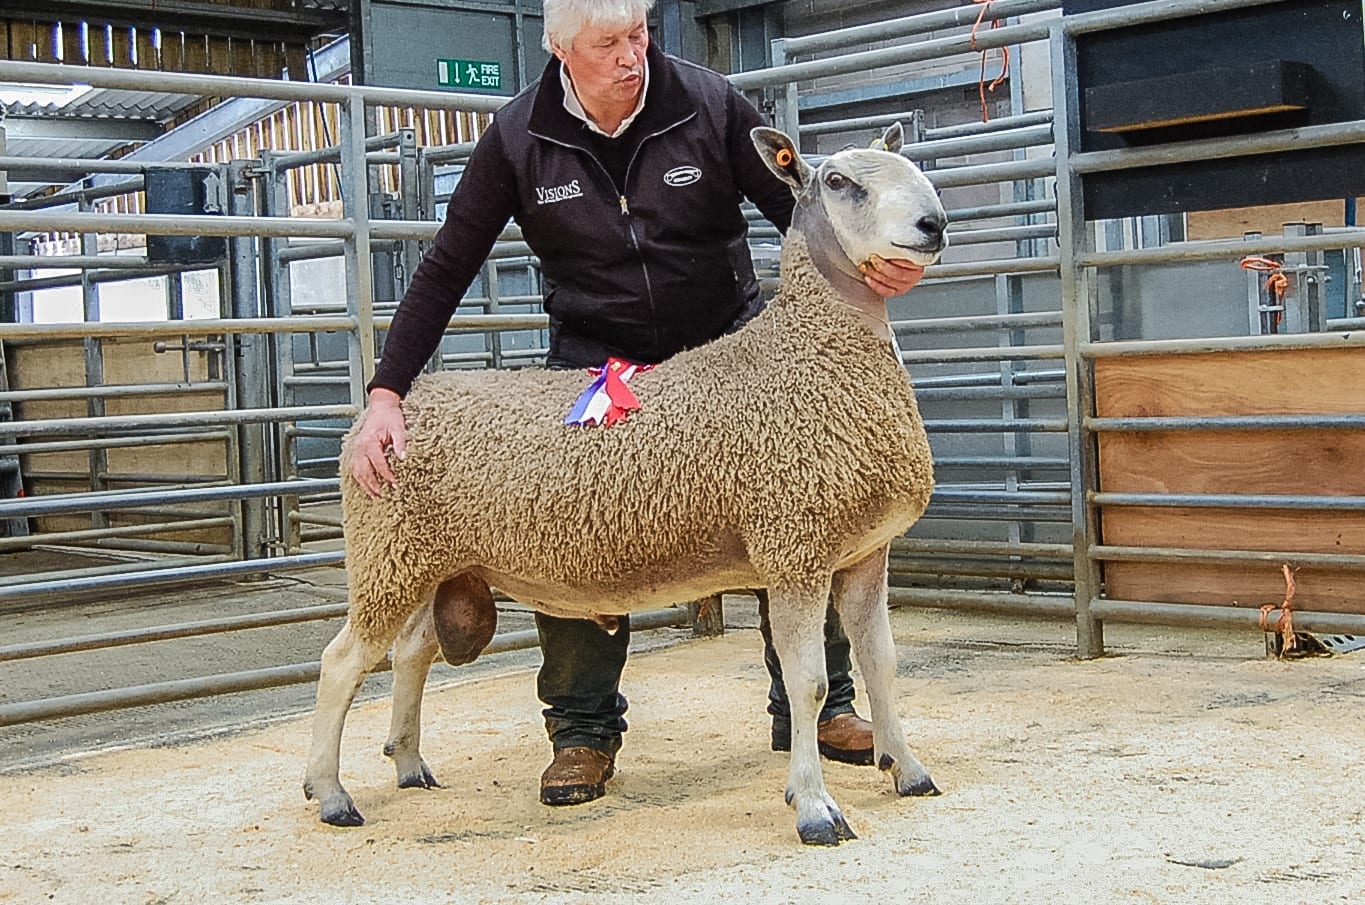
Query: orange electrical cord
[982, 87]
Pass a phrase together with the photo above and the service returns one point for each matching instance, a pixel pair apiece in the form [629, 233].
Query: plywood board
[1268, 219]
[1280, 462]
[1269, 382]
[1268, 462]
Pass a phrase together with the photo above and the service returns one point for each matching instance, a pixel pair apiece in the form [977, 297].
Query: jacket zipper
[625, 210]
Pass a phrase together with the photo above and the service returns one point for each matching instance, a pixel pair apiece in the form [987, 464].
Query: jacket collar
[667, 103]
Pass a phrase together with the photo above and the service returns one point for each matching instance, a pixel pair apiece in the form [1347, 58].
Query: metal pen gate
[1003, 346]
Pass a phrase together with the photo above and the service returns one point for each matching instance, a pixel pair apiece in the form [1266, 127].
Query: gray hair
[564, 19]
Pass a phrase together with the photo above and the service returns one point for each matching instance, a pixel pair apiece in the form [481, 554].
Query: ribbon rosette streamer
[607, 399]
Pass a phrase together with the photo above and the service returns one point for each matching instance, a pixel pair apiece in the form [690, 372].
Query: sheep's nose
[932, 226]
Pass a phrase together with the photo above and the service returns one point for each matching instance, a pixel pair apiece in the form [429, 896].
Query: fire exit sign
[468, 74]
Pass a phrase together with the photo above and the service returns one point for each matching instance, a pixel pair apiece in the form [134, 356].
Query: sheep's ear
[780, 154]
[891, 139]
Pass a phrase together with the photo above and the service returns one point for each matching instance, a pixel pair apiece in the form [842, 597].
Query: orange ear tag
[784, 158]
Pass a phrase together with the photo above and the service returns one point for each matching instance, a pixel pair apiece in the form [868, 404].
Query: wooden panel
[22, 36]
[173, 51]
[1308, 462]
[1271, 382]
[73, 53]
[1248, 584]
[1304, 462]
[1267, 219]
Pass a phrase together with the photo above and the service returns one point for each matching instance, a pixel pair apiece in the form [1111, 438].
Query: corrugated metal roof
[156, 106]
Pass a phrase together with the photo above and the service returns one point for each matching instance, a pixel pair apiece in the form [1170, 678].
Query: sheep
[786, 455]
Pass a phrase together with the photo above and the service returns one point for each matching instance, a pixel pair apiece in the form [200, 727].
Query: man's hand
[384, 428]
[888, 278]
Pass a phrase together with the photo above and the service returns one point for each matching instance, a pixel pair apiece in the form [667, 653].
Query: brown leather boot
[576, 775]
[847, 738]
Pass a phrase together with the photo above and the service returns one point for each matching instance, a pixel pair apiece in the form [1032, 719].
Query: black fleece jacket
[640, 265]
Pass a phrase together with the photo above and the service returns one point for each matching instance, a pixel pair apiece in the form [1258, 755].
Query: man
[624, 169]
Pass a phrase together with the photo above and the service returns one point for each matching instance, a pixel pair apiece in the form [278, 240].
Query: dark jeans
[580, 679]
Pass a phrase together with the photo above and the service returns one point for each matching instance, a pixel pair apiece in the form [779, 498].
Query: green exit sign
[468, 74]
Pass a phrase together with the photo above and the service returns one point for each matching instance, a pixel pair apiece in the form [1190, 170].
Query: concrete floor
[1183, 768]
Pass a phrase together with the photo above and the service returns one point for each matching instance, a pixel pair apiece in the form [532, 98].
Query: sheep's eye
[836, 181]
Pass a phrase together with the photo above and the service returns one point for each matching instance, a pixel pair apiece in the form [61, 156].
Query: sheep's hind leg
[413, 652]
[860, 596]
[345, 663]
[797, 619]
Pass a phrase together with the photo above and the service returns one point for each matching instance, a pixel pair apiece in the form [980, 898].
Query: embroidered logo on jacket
[553, 193]
[682, 176]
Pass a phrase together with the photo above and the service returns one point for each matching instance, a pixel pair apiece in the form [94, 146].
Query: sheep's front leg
[345, 663]
[860, 597]
[797, 619]
[413, 652]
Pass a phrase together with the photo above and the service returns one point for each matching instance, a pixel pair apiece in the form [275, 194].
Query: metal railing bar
[950, 494]
[1011, 209]
[905, 26]
[331, 153]
[1296, 501]
[1203, 616]
[236, 86]
[1147, 13]
[975, 380]
[978, 322]
[171, 575]
[1047, 606]
[911, 545]
[991, 173]
[32, 284]
[111, 391]
[73, 196]
[26, 542]
[132, 440]
[1018, 570]
[31, 507]
[1231, 250]
[172, 329]
[1227, 422]
[987, 353]
[986, 142]
[990, 392]
[52, 427]
[1276, 142]
[175, 224]
[988, 426]
[1003, 234]
[1049, 264]
[170, 631]
[449, 153]
[62, 262]
[1116, 553]
[1017, 121]
[258, 679]
[1019, 462]
[1116, 349]
[915, 52]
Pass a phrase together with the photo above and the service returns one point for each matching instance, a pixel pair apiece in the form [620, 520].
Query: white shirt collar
[575, 106]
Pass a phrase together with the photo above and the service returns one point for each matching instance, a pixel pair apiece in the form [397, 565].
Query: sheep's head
[871, 201]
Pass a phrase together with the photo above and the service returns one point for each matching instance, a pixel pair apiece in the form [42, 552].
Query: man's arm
[478, 210]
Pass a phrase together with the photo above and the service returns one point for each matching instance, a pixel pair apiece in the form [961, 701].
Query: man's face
[607, 64]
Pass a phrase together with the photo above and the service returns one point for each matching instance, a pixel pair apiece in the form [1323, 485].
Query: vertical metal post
[494, 338]
[410, 200]
[355, 204]
[1074, 239]
[94, 365]
[786, 115]
[274, 202]
[1304, 308]
[252, 362]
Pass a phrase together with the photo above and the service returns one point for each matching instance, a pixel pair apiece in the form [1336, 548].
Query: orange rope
[1284, 626]
[982, 87]
[1276, 283]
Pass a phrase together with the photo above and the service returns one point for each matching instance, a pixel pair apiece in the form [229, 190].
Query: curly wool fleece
[765, 457]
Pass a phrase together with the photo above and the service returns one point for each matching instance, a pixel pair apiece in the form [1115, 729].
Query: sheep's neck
[823, 247]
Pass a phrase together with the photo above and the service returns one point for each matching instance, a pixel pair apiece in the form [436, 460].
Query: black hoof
[343, 816]
[420, 780]
[843, 830]
[821, 834]
[923, 789]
